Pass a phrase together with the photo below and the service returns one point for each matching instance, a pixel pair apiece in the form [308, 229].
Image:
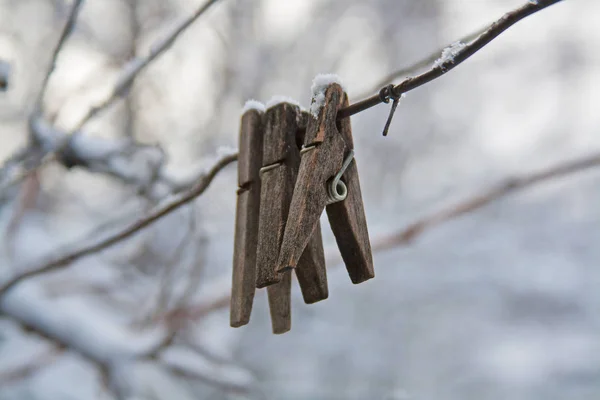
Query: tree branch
[79, 251]
[10, 174]
[67, 29]
[132, 69]
[445, 65]
[80, 330]
[408, 234]
[413, 68]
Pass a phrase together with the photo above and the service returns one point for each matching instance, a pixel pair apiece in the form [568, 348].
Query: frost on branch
[319, 85]
[448, 54]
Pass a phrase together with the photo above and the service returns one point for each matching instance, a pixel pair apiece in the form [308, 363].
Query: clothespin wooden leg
[246, 221]
[325, 149]
[280, 304]
[311, 272]
[347, 218]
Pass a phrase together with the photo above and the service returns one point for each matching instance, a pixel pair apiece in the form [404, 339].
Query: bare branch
[213, 297]
[408, 234]
[11, 175]
[78, 251]
[133, 68]
[494, 30]
[192, 365]
[67, 29]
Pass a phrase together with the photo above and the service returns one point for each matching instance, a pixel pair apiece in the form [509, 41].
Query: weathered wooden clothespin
[281, 159]
[246, 220]
[328, 179]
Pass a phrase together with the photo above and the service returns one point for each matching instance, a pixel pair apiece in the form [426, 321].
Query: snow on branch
[112, 348]
[128, 75]
[66, 256]
[123, 158]
[453, 56]
[423, 63]
[448, 55]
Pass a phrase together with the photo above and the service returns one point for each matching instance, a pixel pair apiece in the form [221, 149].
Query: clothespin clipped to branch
[292, 166]
[328, 180]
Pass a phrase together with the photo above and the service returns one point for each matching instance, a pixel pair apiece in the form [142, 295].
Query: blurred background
[500, 303]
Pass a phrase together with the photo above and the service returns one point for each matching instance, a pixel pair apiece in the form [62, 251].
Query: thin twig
[425, 62]
[408, 234]
[494, 30]
[63, 260]
[129, 73]
[66, 32]
[133, 68]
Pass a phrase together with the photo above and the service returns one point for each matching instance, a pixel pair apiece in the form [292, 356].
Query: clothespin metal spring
[336, 188]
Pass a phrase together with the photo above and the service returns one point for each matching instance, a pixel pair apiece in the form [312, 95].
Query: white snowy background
[503, 303]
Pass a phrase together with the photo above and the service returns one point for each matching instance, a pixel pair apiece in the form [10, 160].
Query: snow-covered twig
[77, 251]
[11, 174]
[133, 68]
[425, 62]
[511, 185]
[439, 69]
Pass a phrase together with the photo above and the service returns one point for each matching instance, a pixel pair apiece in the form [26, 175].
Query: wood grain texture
[246, 221]
[311, 272]
[275, 202]
[280, 306]
[316, 168]
[333, 142]
[347, 218]
[279, 146]
[284, 125]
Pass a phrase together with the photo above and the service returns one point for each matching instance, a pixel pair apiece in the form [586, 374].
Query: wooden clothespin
[328, 179]
[246, 220]
[281, 159]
